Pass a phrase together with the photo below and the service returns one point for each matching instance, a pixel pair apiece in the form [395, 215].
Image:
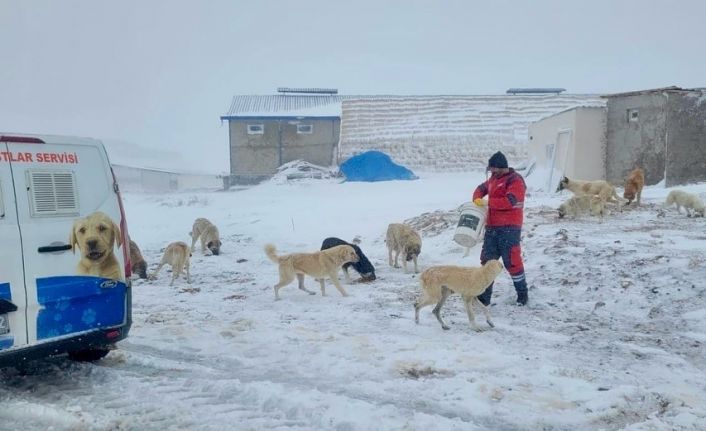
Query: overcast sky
[160, 73]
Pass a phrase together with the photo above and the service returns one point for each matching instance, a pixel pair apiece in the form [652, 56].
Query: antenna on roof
[329, 91]
[535, 90]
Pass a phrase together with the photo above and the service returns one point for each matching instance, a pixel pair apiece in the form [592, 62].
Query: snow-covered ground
[613, 338]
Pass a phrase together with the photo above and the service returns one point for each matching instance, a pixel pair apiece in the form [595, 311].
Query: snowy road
[613, 339]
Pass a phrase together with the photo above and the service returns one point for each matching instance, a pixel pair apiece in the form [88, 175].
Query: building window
[633, 115]
[306, 129]
[256, 129]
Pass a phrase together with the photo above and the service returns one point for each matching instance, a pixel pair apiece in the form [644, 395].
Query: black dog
[363, 266]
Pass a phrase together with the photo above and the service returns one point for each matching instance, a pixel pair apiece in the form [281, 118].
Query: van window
[52, 193]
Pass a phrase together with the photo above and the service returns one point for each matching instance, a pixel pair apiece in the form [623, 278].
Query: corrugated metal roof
[673, 88]
[285, 105]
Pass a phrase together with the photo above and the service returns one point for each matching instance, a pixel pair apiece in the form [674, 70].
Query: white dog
[582, 204]
[687, 200]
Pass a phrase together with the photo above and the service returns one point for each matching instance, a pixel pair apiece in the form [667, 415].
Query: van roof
[50, 139]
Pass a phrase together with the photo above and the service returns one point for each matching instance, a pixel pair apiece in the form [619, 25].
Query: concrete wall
[585, 146]
[543, 136]
[636, 143]
[589, 158]
[132, 179]
[259, 156]
[686, 138]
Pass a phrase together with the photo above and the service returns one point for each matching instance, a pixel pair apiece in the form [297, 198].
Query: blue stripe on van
[70, 304]
[6, 340]
[5, 291]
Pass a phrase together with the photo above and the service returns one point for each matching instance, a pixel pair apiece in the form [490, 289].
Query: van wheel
[88, 355]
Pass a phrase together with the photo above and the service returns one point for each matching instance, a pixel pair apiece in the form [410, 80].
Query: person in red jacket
[506, 196]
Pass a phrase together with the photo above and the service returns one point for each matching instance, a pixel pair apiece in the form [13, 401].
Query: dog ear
[117, 233]
[73, 241]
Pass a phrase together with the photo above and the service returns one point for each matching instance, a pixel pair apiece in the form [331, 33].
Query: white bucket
[470, 224]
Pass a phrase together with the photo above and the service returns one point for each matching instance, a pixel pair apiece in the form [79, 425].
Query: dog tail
[271, 252]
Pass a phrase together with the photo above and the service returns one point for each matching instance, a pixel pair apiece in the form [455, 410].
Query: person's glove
[479, 202]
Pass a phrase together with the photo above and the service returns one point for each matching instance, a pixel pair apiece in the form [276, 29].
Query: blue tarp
[374, 166]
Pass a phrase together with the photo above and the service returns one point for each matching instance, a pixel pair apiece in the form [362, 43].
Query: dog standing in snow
[438, 282]
[634, 185]
[687, 200]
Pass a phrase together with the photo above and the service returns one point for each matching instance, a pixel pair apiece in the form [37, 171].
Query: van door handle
[7, 306]
[51, 248]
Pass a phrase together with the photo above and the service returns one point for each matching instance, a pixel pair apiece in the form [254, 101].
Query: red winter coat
[506, 199]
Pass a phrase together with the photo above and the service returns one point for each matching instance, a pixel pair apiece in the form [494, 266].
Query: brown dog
[403, 239]
[177, 255]
[320, 265]
[634, 185]
[94, 236]
[137, 262]
[208, 233]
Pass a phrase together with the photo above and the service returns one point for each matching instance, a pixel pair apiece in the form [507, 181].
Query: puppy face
[562, 210]
[140, 268]
[562, 184]
[412, 251]
[214, 246]
[629, 194]
[95, 236]
[349, 255]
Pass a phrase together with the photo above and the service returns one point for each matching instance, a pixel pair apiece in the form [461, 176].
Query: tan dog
[177, 256]
[403, 239]
[438, 282]
[633, 186]
[208, 233]
[600, 188]
[687, 200]
[137, 262]
[577, 205]
[320, 265]
[95, 235]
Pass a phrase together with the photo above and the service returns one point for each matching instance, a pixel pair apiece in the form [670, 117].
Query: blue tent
[374, 166]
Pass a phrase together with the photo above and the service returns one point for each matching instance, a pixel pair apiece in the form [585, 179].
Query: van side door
[57, 184]
[13, 303]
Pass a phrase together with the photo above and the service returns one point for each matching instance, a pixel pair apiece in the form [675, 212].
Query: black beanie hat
[497, 160]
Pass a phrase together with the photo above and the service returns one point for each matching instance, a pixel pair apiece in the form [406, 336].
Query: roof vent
[535, 90]
[329, 91]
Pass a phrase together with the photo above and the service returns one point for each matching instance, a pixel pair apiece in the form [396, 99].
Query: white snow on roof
[447, 132]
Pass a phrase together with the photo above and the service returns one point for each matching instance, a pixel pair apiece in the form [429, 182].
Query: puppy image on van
[402, 239]
[207, 232]
[95, 236]
[320, 265]
[687, 200]
[584, 204]
[362, 267]
[438, 282]
[137, 262]
[177, 255]
[634, 185]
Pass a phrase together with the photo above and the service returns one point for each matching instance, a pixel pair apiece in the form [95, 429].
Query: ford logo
[108, 284]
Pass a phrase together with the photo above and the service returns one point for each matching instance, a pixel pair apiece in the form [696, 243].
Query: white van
[64, 250]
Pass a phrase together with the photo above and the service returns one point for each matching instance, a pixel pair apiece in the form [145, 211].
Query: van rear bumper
[95, 339]
[90, 340]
